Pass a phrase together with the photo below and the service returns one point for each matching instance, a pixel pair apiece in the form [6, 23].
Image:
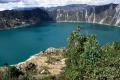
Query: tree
[82, 51]
[14, 72]
[116, 45]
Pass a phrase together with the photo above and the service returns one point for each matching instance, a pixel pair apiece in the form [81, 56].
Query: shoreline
[26, 25]
[88, 22]
[21, 26]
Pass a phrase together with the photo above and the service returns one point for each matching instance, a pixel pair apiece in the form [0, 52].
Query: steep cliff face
[106, 14]
[13, 18]
[116, 17]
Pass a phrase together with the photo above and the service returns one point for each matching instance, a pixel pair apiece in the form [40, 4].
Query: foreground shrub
[87, 60]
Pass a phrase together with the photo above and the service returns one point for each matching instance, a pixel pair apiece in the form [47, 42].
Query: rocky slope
[104, 14]
[46, 63]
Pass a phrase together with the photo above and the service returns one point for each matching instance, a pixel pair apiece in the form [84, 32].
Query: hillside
[17, 18]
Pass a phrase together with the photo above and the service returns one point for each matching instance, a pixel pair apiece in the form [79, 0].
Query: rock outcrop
[52, 59]
[50, 62]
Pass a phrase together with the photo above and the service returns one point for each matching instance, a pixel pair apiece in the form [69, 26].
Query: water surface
[17, 45]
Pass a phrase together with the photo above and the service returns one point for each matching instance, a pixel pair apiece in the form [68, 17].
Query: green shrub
[87, 60]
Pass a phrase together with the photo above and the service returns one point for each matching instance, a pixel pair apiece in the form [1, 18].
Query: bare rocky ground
[50, 62]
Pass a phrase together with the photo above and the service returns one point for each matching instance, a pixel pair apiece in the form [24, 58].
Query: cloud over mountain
[10, 4]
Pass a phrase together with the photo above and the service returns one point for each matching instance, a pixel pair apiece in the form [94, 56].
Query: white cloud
[10, 4]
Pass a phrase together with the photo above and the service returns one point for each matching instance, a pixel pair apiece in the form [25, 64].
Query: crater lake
[18, 44]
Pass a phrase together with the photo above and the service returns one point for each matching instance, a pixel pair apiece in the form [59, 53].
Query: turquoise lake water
[17, 45]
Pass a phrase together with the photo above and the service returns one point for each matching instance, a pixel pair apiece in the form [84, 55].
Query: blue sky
[10, 4]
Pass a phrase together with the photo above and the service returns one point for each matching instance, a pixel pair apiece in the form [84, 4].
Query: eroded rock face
[104, 14]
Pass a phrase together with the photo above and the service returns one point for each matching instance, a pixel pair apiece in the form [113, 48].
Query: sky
[11, 4]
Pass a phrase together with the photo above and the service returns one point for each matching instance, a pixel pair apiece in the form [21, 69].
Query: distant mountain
[28, 8]
[103, 14]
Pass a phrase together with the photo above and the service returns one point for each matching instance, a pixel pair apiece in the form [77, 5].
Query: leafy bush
[12, 73]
